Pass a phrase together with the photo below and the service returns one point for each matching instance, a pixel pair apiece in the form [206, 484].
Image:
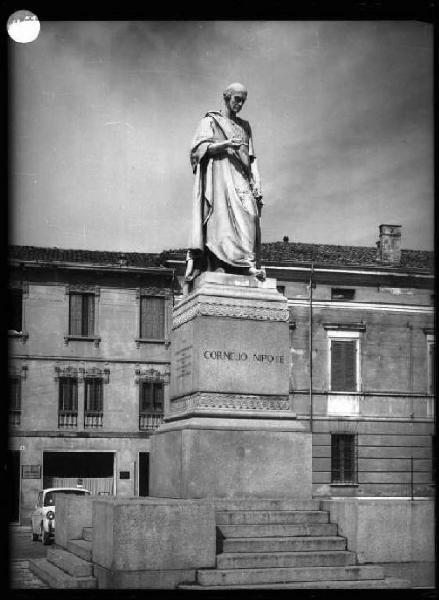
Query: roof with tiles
[279, 253]
[45, 255]
[296, 253]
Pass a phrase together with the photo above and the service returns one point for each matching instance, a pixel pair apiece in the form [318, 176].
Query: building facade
[90, 363]
[362, 361]
[88, 370]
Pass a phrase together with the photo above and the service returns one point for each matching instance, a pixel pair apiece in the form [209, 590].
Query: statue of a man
[227, 199]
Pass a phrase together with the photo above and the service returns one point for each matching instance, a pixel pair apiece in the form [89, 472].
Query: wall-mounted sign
[31, 471]
[124, 475]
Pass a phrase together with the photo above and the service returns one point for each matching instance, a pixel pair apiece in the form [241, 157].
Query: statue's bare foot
[219, 270]
[258, 273]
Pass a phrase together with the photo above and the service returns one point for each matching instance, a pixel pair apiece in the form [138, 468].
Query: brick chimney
[389, 244]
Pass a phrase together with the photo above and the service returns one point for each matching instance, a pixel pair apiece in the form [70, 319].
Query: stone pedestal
[230, 430]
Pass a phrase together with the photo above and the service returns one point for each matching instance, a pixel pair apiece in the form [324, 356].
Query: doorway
[143, 473]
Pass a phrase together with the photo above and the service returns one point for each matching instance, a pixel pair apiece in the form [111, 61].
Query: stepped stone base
[389, 583]
[294, 548]
[57, 578]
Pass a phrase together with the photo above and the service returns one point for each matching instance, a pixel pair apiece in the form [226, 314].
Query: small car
[43, 517]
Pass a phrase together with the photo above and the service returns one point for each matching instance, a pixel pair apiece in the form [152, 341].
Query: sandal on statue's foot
[258, 273]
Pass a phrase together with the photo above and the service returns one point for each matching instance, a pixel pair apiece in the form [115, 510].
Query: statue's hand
[236, 142]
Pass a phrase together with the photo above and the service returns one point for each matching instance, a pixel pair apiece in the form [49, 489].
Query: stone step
[21, 577]
[222, 504]
[387, 583]
[225, 577]
[87, 534]
[263, 560]
[57, 578]
[277, 530]
[256, 517]
[284, 544]
[70, 563]
[81, 548]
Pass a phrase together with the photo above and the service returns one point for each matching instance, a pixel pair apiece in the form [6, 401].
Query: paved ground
[21, 549]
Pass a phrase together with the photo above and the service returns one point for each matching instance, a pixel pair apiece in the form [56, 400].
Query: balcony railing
[93, 419]
[150, 421]
[67, 418]
[14, 417]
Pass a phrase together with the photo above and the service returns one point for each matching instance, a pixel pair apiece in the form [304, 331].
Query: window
[82, 314]
[431, 367]
[68, 402]
[93, 402]
[151, 404]
[343, 458]
[152, 317]
[14, 400]
[15, 310]
[343, 365]
[342, 294]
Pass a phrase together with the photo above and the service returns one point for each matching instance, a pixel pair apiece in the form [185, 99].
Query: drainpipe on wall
[172, 287]
[310, 347]
[410, 332]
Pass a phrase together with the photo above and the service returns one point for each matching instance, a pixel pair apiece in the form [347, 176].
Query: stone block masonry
[151, 542]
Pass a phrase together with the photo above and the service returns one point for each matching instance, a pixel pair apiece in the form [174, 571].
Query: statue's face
[236, 101]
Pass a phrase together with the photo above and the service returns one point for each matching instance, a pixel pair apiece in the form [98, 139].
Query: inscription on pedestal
[183, 362]
[243, 356]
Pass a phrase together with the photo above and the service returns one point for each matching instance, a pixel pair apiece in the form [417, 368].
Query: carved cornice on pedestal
[223, 307]
[230, 402]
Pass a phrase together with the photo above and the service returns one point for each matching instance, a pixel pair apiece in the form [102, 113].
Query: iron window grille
[343, 458]
[14, 400]
[68, 402]
[151, 405]
[93, 402]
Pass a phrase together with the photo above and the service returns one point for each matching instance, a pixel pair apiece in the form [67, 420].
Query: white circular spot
[23, 26]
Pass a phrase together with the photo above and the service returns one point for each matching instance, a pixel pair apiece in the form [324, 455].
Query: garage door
[93, 470]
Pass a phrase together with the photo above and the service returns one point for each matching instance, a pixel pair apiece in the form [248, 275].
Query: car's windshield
[49, 499]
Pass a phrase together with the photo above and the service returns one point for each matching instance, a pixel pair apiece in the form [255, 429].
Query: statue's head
[234, 96]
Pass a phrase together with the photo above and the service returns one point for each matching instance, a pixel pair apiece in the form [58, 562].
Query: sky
[103, 113]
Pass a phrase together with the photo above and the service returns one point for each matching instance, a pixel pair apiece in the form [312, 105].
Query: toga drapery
[225, 212]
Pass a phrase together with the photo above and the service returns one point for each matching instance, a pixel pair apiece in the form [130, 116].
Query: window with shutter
[68, 394]
[151, 405]
[14, 393]
[152, 317]
[81, 314]
[151, 397]
[343, 458]
[93, 401]
[343, 365]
